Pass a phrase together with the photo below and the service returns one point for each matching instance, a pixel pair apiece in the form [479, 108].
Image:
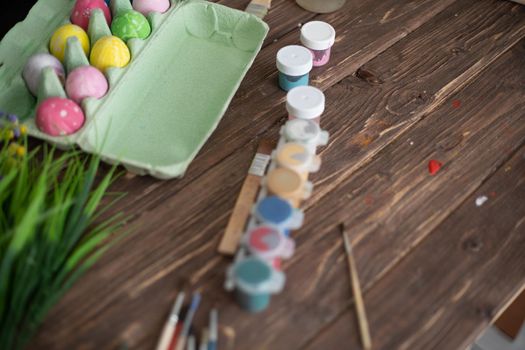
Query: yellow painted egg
[57, 44]
[110, 51]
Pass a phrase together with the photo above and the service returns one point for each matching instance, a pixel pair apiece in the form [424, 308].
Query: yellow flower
[23, 129]
[21, 151]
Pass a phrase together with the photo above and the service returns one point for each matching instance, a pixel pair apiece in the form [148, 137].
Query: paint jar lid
[268, 242]
[296, 156]
[294, 60]
[317, 35]
[274, 210]
[255, 276]
[305, 131]
[305, 102]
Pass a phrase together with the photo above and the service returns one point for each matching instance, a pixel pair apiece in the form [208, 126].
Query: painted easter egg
[147, 6]
[130, 24]
[109, 51]
[86, 81]
[59, 116]
[34, 66]
[82, 12]
[57, 44]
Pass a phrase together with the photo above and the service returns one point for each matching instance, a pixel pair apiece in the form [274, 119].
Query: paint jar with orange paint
[288, 184]
[297, 157]
[305, 102]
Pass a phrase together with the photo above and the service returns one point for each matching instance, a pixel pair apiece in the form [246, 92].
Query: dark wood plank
[175, 239]
[258, 105]
[448, 289]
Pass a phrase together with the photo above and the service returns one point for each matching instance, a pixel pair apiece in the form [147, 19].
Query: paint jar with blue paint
[305, 102]
[255, 281]
[278, 212]
[269, 243]
[294, 63]
[305, 132]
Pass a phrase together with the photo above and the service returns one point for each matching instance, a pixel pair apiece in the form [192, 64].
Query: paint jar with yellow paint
[297, 157]
[288, 184]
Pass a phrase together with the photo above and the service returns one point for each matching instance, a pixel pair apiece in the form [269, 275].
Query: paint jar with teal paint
[305, 132]
[294, 63]
[269, 243]
[278, 212]
[255, 281]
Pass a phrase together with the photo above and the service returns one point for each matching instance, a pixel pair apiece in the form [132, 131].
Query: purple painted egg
[147, 6]
[34, 66]
[82, 12]
[59, 116]
[86, 81]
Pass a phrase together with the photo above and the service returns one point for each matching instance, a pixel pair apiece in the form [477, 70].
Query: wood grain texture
[457, 281]
[177, 224]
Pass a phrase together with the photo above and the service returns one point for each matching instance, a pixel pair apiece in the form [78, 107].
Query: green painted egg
[130, 24]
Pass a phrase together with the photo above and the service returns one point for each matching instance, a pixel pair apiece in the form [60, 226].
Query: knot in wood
[472, 244]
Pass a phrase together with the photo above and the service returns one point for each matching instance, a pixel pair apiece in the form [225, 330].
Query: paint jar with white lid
[318, 37]
[305, 102]
[294, 63]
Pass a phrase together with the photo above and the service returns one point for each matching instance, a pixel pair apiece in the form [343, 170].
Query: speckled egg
[86, 81]
[34, 66]
[82, 11]
[59, 116]
[147, 6]
[130, 24]
[57, 44]
[109, 51]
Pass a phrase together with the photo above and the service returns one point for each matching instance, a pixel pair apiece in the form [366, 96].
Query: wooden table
[409, 81]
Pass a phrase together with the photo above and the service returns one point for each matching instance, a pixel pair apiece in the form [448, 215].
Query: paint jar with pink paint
[270, 244]
[318, 37]
[305, 102]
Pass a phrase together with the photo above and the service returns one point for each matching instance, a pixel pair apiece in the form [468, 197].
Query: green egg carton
[162, 107]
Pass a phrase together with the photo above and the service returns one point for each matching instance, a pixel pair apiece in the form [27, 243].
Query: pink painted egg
[59, 116]
[86, 81]
[82, 11]
[34, 66]
[147, 6]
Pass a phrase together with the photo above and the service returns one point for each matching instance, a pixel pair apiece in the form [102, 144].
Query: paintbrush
[356, 289]
[213, 330]
[195, 301]
[171, 323]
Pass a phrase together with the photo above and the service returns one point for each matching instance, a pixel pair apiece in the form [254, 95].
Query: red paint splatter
[492, 194]
[369, 200]
[434, 166]
[456, 103]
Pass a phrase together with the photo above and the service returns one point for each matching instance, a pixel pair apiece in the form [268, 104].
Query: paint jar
[294, 63]
[269, 243]
[254, 281]
[305, 102]
[278, 212]
[318, 37]
[297, 157]
[288, 184]
[305, 132]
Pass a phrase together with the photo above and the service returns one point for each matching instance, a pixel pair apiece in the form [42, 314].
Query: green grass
[50, 233]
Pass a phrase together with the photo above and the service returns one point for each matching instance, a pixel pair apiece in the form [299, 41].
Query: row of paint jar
[275, 215]
[295, 62]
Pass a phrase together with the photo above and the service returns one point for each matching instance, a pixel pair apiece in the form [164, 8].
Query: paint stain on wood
[434, 166]
[456, 104]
